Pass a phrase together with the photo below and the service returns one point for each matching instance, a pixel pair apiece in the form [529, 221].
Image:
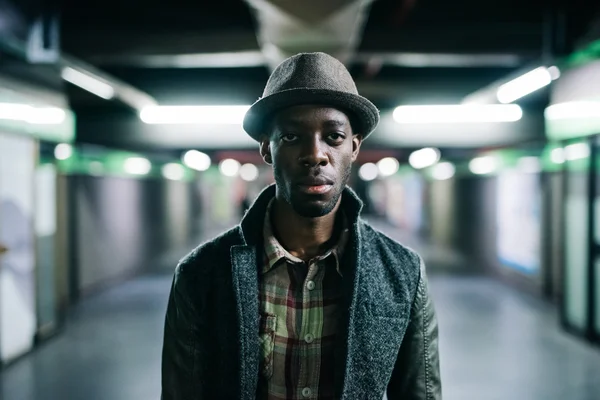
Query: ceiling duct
[288, 27]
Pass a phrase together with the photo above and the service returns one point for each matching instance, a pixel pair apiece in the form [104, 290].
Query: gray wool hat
[311, 78]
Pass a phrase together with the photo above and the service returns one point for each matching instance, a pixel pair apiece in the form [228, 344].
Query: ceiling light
[443, 171]
[249, 172]
[368, 172]
[14, 112]
[197, 160]
[483, 165]
[523, 85]
[388, 166]
[63, 151]
[554, 72]
[572, 110]
[460, 113]
[530, 165]
[577, 151]
[424, 158]
[137, 166]
[557, 156]
[173, 171]
[46, 116]
[32, 115]
[232, 115]
[89, 83]
[229, 167]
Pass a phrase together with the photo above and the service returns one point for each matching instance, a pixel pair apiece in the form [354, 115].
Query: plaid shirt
[299, 320]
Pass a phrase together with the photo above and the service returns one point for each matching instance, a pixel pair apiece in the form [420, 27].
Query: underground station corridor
[418, 182]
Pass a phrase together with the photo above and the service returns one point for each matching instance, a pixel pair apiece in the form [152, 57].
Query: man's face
[312, 149]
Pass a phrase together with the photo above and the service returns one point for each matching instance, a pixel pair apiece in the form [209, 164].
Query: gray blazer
[389, 337]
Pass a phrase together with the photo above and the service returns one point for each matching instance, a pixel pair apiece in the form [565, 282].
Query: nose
[313, 153]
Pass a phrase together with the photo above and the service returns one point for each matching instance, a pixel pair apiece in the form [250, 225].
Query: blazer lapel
[245, 281]
[351, 295]
[373, 327]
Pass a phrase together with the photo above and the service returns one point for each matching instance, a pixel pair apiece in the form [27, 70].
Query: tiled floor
[496, 344]
[499, 344]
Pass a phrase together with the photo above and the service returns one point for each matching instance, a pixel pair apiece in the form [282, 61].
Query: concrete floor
[496, 344]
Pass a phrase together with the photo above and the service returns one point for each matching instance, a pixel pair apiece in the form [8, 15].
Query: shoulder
[392, 254]
[201, 261]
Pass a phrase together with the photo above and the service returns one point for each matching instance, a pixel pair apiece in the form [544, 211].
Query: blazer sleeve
[416, 375]
[182, 362]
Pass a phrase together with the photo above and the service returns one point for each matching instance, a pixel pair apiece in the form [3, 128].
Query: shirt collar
[275, 252]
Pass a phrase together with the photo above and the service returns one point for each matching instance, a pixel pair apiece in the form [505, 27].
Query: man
[303, 300]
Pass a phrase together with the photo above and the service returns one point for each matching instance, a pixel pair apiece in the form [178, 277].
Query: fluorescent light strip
[461, 113]
[32, 115]
[88, 83]
[524, 85]
[14, 112]
[573, 110]
[193, 114]
[554, 72]
[46, 116]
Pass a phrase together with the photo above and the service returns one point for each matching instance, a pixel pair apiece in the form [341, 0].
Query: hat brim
[364, 112]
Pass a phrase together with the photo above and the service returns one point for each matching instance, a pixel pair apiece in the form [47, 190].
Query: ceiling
[141, 43]
[399, 52]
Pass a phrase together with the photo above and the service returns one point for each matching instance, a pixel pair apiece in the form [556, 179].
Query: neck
[303, 237]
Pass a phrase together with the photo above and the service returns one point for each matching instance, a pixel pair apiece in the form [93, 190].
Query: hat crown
[310, 71]
[311, 78]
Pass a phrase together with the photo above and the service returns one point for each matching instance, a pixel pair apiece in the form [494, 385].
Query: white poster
[518, 221]
[17, 275]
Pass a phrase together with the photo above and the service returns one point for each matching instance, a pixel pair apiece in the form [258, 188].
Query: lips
[315, 181]
[315, 185]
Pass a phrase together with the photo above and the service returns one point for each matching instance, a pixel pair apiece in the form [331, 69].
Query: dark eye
[288, 137]
[336, 137]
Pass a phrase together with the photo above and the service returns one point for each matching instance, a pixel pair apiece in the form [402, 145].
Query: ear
[356, 142]
[265, 150]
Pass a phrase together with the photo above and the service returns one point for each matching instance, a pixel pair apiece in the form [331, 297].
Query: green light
[118, 163]
[589, 53]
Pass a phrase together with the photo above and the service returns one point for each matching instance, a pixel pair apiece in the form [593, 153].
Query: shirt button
[310, 285]
[306, 392]
[309, 338]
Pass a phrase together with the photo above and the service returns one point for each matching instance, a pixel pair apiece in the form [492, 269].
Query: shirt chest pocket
[268, 326]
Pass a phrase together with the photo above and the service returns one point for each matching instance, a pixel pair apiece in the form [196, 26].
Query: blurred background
[121, 149]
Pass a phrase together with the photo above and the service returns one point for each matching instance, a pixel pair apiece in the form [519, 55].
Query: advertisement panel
[404, 201]
[518, 221]
[17, 263]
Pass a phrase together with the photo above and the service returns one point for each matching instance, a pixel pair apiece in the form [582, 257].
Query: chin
[308, 211]
[313, 209]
